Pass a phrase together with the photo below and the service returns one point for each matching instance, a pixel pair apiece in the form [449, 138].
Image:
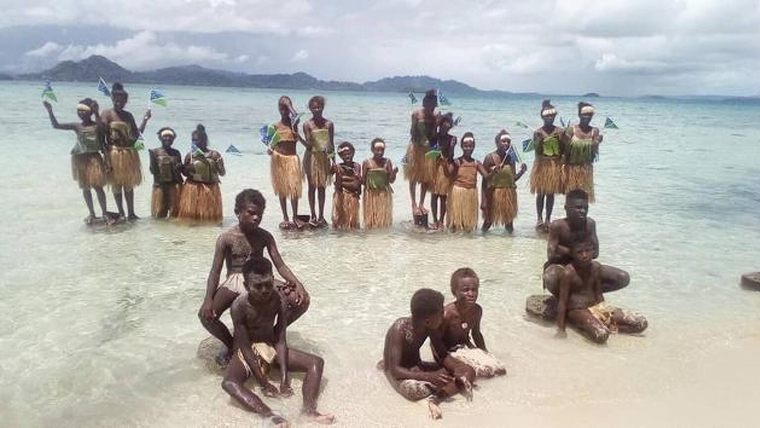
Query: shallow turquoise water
[98, 327]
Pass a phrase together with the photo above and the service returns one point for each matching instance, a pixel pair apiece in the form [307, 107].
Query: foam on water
[98, 327]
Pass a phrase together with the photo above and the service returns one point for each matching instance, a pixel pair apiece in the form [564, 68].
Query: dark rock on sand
[751, 280]
[208, 351]
[542, 306]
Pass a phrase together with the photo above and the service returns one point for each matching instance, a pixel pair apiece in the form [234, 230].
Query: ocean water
[98, 326]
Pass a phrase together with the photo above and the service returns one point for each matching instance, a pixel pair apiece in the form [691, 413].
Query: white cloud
[301, 55]
[45, 50]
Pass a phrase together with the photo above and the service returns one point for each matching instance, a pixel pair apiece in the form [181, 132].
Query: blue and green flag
[103, 88]
[269, 135]
[47, 92]
[442, 100]
[528, 145]
[158, 98]
[412, 98]
[609, 124]
[139, 143]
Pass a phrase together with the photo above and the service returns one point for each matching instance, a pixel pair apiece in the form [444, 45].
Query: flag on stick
[139, 143]
[609, 124]
[103, 88]
[528, 145]
[48, 92]
[269, 135]
[158, 98]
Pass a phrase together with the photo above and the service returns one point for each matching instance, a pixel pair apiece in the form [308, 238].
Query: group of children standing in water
[262, 308]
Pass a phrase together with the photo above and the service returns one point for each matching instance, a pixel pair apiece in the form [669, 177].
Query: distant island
[591, 95]
[96, 66]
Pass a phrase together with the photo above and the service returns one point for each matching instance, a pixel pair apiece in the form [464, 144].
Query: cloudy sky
[615, 47]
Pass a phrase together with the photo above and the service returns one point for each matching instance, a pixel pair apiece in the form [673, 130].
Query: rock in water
[751, 280]
[208, 351]
[542, 306]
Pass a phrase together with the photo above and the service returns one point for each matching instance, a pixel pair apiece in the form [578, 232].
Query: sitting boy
[461, 319]
[260, 342]
[582, 303]
[408, 374]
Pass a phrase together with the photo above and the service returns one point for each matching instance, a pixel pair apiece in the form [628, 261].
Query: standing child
[407, 373]
[120, 134]
[442, 182]
[261, 342]
[233, 248]
[419, 169]
[317, 161]
[583, 147]
[166, 167]
[546, 175]
[87, 165]
[201, 199]
[348, 188]
[581, 300]
[461, 326]
[285, 166]
[499, 192]
[463, 200]
[378, 174]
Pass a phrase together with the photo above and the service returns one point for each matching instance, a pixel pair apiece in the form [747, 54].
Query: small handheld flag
[512, 154]
[609, 124]
[457, 121]
[195, 150]
[528, 145]
[139, 143]
[103, 88]
[434, 152]
[522, 125]
[158, 98]
[233, 150]
[412, 98]
[442, 100]
[562, 122]
[48, 92]
[295, 116]
[269, 135]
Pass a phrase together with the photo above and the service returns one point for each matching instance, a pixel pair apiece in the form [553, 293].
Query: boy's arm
[592, 236]
[243, 343]
[306, 141]
[554, 250]
[394, 344]
[144, 122]
[477, 336]
[597, 275]
[284, 271]
[523, 168]
[153, 164]
[212, 282]
[564, 295]
[485, 174]
[282, 348]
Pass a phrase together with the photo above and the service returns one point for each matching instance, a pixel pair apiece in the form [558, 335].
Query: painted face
[378, 149]
[583, 254]
[466, 290]
[259, 287]
[167, 140]
[249, 216]
[468, 146]
[119, 100]
[347, 155]
[576, 209]
[504, 142]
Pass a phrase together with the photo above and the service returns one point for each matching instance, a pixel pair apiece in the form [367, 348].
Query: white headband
[501, 137]
[378, 143]
[166, 132]
[83, 107]
[468, 140]
[549, 112]
[587, 110]
[344, 149]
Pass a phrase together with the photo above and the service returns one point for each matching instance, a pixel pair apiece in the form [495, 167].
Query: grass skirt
[378, 209]
[484, 363]
[503, 207]
[126, 172]
[580, 177]
[316, 168]
[462, 209]
[442, 183]
[286, 175]
[88, 170]
[200, 202]
[165, 200]
[345, 214]
[546, 176]
[418, 168]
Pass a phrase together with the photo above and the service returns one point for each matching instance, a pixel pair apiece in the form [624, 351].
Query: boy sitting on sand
[408, 374]
[461, 319]
[233, 248]
[259, 342]
[582, 303]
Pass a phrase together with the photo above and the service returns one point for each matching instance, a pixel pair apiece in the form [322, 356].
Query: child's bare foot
[466, 388]
[299, 224]
[285, 225]
[278, 421]
[486, 226]
[322, 222]
[434, 409]
[90, 219]
[510, 228]
[540, 226]
[416, 210]
[320, 418]
[133, 217]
